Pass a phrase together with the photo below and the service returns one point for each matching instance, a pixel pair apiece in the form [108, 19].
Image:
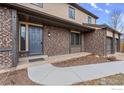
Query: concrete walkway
[48, 74]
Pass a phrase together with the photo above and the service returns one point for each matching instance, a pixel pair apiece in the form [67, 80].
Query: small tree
[116, 18]
[116, 21]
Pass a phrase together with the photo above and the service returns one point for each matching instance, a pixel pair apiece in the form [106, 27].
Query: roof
[83, 9]
[102, 26]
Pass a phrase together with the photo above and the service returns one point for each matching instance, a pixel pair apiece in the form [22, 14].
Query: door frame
[27, 24]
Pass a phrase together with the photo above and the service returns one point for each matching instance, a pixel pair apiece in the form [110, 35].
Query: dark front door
[35, 40]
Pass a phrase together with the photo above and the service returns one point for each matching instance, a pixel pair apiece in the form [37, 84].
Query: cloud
[94, 5]
[100, 9]
[107, 11]
[107, 3]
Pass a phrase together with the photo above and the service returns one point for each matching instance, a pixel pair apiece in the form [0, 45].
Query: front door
[35, 40]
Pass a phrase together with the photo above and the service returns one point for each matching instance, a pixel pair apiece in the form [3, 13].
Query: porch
[39, 36]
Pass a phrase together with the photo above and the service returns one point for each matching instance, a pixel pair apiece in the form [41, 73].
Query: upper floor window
[71, 13]
[39, 4]
[89, 19]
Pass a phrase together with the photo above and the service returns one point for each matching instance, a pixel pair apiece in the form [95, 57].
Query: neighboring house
[28, 29]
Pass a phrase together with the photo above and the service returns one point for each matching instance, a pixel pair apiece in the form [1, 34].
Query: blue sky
[102, 10]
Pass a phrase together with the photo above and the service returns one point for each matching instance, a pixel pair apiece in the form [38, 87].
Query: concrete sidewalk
[48, 74]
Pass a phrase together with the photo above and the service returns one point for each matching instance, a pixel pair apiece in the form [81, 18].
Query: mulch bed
[117, 79]
[16, 77]
[90, 59]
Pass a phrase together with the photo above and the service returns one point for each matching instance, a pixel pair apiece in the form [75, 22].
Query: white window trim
[74, 12]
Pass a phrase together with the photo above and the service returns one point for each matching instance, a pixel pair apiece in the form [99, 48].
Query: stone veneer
[5, 59]
[58, 41]
[5, 37]
[95, 42]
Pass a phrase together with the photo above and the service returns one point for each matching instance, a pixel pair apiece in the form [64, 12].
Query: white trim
[75, 31]
[27, 43]
[27, 33]
[28, 23]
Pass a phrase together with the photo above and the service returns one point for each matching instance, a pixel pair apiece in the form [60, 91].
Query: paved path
[48, 74]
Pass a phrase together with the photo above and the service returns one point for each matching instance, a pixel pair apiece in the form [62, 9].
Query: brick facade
[58, 41]
[5, 37]
[5, 59]
[95, 42]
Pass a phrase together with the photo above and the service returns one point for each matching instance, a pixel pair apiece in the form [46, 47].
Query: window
[71, 13]
[89, 20]
[23, 37]
[75, 38]
[39, 4]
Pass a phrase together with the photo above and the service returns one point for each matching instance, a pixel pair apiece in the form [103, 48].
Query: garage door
[109, 45]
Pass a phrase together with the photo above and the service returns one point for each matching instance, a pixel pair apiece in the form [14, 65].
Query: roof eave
[84, 10]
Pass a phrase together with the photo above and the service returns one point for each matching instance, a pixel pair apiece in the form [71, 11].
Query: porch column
[8, 35]
[14, 38]
[113, 43]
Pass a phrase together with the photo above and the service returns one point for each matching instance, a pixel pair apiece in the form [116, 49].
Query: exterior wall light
[49, 34]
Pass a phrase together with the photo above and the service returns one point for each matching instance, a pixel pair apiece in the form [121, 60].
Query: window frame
[89, 20]
[70, 14]
[74, 42]
[20, 34]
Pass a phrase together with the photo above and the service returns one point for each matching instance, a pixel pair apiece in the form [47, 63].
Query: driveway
[48, 74]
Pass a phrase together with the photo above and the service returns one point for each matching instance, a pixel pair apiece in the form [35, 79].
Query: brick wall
[58, 41]
[5, 37]
[95, 42]
[5, 59]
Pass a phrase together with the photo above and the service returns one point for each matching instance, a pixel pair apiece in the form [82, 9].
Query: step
[33, 58]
